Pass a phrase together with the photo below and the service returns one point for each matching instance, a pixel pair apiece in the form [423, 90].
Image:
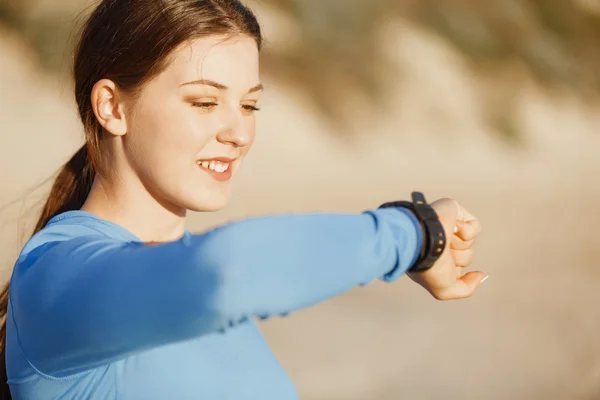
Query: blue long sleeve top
[95, 313]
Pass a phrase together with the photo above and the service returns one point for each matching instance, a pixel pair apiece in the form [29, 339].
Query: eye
[250, 108]
[205, 105]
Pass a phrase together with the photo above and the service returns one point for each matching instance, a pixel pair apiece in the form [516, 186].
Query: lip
[218, 176]
[220, 159]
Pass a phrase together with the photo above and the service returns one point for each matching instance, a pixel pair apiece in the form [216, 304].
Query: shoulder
[60, 228]
[71, 226]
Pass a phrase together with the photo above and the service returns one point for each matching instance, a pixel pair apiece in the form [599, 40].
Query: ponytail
[69, 192]
[70, 189]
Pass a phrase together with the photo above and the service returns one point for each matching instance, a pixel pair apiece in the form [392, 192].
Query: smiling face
[190, 127]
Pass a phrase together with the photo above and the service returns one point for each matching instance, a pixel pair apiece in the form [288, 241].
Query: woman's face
[192, 125]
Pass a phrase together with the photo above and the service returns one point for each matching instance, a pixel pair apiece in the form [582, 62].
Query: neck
[135, 209]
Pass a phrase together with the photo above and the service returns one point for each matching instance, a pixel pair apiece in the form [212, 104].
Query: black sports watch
[434, 237]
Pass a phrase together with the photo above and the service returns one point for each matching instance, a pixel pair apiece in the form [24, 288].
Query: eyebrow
[220, 86]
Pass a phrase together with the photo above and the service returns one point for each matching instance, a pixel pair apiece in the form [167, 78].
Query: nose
[237, 130]
[234, 137]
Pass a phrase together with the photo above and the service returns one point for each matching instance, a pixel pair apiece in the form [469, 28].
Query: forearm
[279, 264]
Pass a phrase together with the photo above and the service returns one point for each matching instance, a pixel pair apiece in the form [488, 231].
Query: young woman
[112, 298]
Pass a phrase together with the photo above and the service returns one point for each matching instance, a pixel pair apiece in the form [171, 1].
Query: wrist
[406, 236]
[432, 231]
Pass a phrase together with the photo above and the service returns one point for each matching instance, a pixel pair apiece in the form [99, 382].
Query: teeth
[220, 168]
[214, 165]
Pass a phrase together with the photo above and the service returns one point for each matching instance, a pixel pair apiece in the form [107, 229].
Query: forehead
[232, 61]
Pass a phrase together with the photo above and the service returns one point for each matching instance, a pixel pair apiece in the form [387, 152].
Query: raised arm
[87, 301]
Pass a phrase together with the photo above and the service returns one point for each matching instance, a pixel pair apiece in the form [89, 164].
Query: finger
[447, 211]
[457, 243]
[463, 258]
[467, 284]
[468, 230]
[464, 214]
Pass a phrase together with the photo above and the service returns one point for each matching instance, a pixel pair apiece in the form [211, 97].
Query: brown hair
[128, 42]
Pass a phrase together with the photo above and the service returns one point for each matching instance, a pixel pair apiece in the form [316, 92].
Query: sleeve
[91, 300]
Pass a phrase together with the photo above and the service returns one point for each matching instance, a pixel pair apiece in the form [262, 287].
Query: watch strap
[434, 236]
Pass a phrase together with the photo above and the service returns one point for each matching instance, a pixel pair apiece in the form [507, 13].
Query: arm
[92, 300]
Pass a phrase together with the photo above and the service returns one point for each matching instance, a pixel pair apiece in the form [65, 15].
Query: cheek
[168, 135]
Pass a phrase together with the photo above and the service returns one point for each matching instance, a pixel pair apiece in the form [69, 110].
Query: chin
[207, 202]
[206, 207]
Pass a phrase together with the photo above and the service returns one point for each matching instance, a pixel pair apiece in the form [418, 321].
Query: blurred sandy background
[518, 147]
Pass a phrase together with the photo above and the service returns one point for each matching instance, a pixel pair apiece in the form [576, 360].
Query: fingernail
[456, 229]
[485, 279]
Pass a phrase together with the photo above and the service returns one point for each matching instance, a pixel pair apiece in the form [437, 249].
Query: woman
[112, 298]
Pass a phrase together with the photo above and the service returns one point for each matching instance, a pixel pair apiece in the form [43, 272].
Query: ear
[108, 107]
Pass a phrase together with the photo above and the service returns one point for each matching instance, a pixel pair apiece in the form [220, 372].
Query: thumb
[468, 283]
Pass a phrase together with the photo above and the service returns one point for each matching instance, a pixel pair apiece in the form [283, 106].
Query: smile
[220, 169]
[213, 165]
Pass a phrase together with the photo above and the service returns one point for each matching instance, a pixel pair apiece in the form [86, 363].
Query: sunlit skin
[177, 144]
[200, 108]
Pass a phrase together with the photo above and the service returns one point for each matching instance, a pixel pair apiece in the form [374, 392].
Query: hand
[445, 280]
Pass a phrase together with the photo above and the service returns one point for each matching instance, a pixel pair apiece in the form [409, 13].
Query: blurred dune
[531, 332]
